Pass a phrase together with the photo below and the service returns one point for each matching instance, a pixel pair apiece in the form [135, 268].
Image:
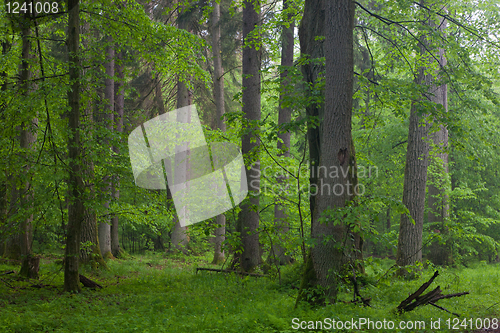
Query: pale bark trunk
[248, 219]
[119, 108]
[109, 97]
[220, 232]
[75, 184]
[438, 203]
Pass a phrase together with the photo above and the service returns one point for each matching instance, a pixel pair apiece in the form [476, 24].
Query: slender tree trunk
[284, 116]
[327, 260]
[109, 97]
[248, 219]
[75, 184]
[179, 238]
[119, 107]
[220, 232]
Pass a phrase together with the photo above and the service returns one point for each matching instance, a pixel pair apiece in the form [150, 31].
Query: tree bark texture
[75, 184]
[334, 247]
[220, 232]
[109, 97]
[248, 219]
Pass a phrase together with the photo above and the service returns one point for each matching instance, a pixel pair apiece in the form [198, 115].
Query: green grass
[158, 293]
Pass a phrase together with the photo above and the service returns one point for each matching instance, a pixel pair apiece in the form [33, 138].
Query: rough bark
[109, 97]
[417, 154]
[278, 251]
[334, 249]
[220, 232]
[437, 200]
[75, 184]
[118, 114]
[92, 253]
[312, 25]
[248, 218]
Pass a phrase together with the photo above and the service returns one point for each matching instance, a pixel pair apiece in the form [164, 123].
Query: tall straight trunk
[75, 184]
[92, 253]
[179, 238]
[119, 107]
[109, 97]
[438, 203]
[417, 154]
[220, 232]
[27, 139]
[312, 25]
[248, 219]
[327, 260]
[284, 116]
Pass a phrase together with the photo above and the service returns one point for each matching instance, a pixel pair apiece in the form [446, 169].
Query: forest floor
[160, 292]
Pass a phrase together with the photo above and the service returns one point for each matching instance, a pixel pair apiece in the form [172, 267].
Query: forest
[250, 166]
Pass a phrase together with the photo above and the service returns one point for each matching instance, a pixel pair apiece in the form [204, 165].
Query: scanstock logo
[205, 180]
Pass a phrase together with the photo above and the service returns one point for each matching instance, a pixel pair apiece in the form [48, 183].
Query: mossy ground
[162, 293]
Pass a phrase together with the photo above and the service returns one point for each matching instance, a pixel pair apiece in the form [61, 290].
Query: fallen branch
[228, 271]
[89, 283]
[417, 299]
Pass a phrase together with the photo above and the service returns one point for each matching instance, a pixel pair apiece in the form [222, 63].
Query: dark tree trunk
[119, 107]
[278, 252]
[248, 219]
[220, 232]
[75, 184]
[327, 260]
[312, 25]
[109, 97]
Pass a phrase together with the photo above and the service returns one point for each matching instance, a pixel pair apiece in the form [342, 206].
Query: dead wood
[229, 271]
[89, 283]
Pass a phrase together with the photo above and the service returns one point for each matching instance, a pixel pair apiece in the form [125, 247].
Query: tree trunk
[75, 184]
[179, 238]
[119, 107]
[311, 26]
[248, 219]
[284, 116]
[439, 252]
[220, 232]
[417, 153]
[109, 97]
[327, 260]
[27, 139]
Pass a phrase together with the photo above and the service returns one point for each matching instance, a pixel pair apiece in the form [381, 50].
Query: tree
[248, 218]
[218, 80]
[334, 248]
[284, 117]
[75, 183]
[109, 97]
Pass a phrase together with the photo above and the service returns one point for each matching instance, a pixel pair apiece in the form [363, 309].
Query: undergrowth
[162, 293]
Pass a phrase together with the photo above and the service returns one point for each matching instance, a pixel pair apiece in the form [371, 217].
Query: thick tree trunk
[119, 107]
[327, 260]
[417, 153]
[109, 97]
[437, 200]
[248, 219]
[278, 252]
[75, 184]
[220, 232]
[312, 25]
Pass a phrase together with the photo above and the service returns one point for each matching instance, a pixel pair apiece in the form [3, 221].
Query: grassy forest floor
[162, 293]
